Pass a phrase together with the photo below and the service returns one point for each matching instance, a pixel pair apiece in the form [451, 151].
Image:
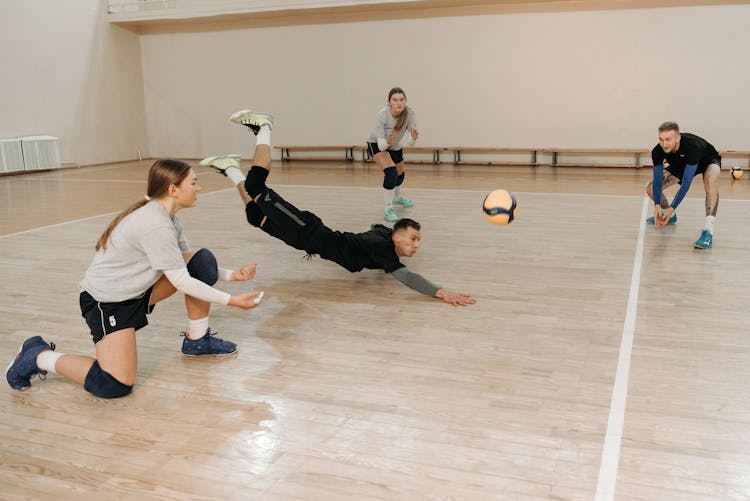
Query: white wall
[566, 79]
[575, 79]
[67, 72]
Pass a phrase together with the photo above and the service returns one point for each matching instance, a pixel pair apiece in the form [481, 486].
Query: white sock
[264, 136]
[710, 222]
[388, 197]
[197, 328]
[46, 360]
[235, 175]
[397, 192]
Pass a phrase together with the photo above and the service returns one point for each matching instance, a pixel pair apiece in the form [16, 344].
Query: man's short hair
[405, 223]
[669, 126]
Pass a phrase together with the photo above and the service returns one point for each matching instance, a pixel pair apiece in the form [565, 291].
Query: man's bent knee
[712, 173]
[103, 384]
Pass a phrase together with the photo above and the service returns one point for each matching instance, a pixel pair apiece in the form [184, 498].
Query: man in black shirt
[684, 156]
[380, 248]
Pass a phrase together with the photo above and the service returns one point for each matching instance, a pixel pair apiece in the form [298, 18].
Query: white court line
[309, 186]
[57, 174]
[32, 230]
[605, 486]
[583, 195]
[108, 181]
[453, 190]
[86, 218]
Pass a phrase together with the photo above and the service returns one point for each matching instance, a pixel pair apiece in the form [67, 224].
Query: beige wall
[67, 72]
[567, 79]
[575, 79]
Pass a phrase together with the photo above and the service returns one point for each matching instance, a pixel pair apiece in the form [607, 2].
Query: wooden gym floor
[603, 358]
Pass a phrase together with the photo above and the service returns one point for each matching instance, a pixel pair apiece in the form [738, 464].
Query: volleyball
[736, 172]
[500, 207]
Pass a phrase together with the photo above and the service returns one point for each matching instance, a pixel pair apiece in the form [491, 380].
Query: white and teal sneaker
[221, 164]
[705, 240]
[390, 215]
[253, 120]
[403, 201]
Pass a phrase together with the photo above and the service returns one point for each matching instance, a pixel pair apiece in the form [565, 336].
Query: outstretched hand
[245, 273]
[455, 298]
[244, 301]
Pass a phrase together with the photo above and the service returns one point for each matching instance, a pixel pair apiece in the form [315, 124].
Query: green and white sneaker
[253, 120]
[403, 201]
[704, 240]
[390, 215]
[221, 164]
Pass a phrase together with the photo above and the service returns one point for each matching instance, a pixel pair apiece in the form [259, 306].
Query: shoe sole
[235, 117]
[206, 355]
[206, 162]
[11, 365]
[702, 248]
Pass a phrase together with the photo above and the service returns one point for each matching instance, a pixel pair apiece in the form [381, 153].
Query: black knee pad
[255, 182]
[204, 267]
[400, 179]
[390, 177]
[254, 214]
[103, 384]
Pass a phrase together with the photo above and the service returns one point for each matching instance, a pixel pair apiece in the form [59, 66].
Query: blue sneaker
[705, 240]
[207, 345]
[390, 215]
[403, 201]
[24, 367]
[672, 220]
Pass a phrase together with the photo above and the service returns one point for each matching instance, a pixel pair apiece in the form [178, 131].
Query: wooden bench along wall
[287, 150]
[637, 155]
[459, 150]
[433, 150]
[726, 154]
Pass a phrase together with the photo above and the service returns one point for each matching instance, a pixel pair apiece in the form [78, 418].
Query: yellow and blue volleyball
[500, 207]
[736, 172]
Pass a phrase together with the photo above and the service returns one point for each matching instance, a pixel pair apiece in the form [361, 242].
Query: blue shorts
[104, 318]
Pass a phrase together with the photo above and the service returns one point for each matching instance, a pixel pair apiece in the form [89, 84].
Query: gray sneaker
[253, 120]
[221, 164]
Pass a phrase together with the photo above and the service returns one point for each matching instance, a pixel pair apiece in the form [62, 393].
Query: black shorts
[300, 229]
[396, 155]
[104, 318]
[700, 171]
